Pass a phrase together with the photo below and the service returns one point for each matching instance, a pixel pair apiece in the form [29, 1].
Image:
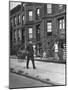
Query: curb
[51, 61]
[47, 81]
[47, 60]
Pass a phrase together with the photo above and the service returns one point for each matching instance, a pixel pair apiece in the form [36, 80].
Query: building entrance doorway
[62, 50]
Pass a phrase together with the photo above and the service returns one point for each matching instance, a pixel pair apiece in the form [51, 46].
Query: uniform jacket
[30, 50]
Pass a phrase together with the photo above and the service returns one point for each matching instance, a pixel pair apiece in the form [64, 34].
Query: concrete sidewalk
[48, 59]
[51, 72]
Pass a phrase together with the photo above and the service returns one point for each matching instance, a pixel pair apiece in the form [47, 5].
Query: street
[48, 72]
[18, 81]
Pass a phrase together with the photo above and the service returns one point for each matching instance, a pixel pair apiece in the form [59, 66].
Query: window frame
[49, 8]
[30, 16]
[38, 32]
[19, 35]
[23, 18]
[61, 24]
[15, 35]
[60, 6]
[38, 11]
[49, 26]
[30, 33]
[56, 47]
[19, 19]
[11, 22]
[15, 20]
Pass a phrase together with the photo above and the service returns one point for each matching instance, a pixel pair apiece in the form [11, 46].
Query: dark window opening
[19, 19]
[38, 32]
[49, 33]
[23, 37]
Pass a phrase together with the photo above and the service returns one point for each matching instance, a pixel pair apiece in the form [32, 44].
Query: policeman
[30, 54]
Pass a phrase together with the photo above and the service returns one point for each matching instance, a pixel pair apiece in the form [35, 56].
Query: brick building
[43, 24]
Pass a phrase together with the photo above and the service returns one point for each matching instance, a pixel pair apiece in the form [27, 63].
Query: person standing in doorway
[30, 55]
[56, 50]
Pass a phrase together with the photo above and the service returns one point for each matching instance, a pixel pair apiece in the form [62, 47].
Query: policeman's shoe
[34, 67]
[27, 67]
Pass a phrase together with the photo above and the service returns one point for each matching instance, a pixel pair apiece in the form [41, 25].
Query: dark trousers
[32, 59]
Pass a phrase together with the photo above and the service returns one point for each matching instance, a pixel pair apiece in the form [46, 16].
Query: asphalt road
[17, 81]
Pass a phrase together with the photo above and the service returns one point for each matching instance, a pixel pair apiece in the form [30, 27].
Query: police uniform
[30, 55]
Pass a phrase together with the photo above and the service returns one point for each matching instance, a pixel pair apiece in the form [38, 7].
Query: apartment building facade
[43, 24]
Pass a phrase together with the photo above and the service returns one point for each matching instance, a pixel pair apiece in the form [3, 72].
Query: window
[60, 6]
[49, 27]
[61, 24]
[38, 11]
[15, 20]
[38, 32]
[56, 46]
[23, 19]
[30, 33]
[23, 4]
[30, 15]
[19, 19]
[22, 35]
[19, 34]
[49, 8]
[15, 35]
[11, 23]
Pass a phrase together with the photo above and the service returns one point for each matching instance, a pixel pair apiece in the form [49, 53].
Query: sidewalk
[51, 72]
[49, 59]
